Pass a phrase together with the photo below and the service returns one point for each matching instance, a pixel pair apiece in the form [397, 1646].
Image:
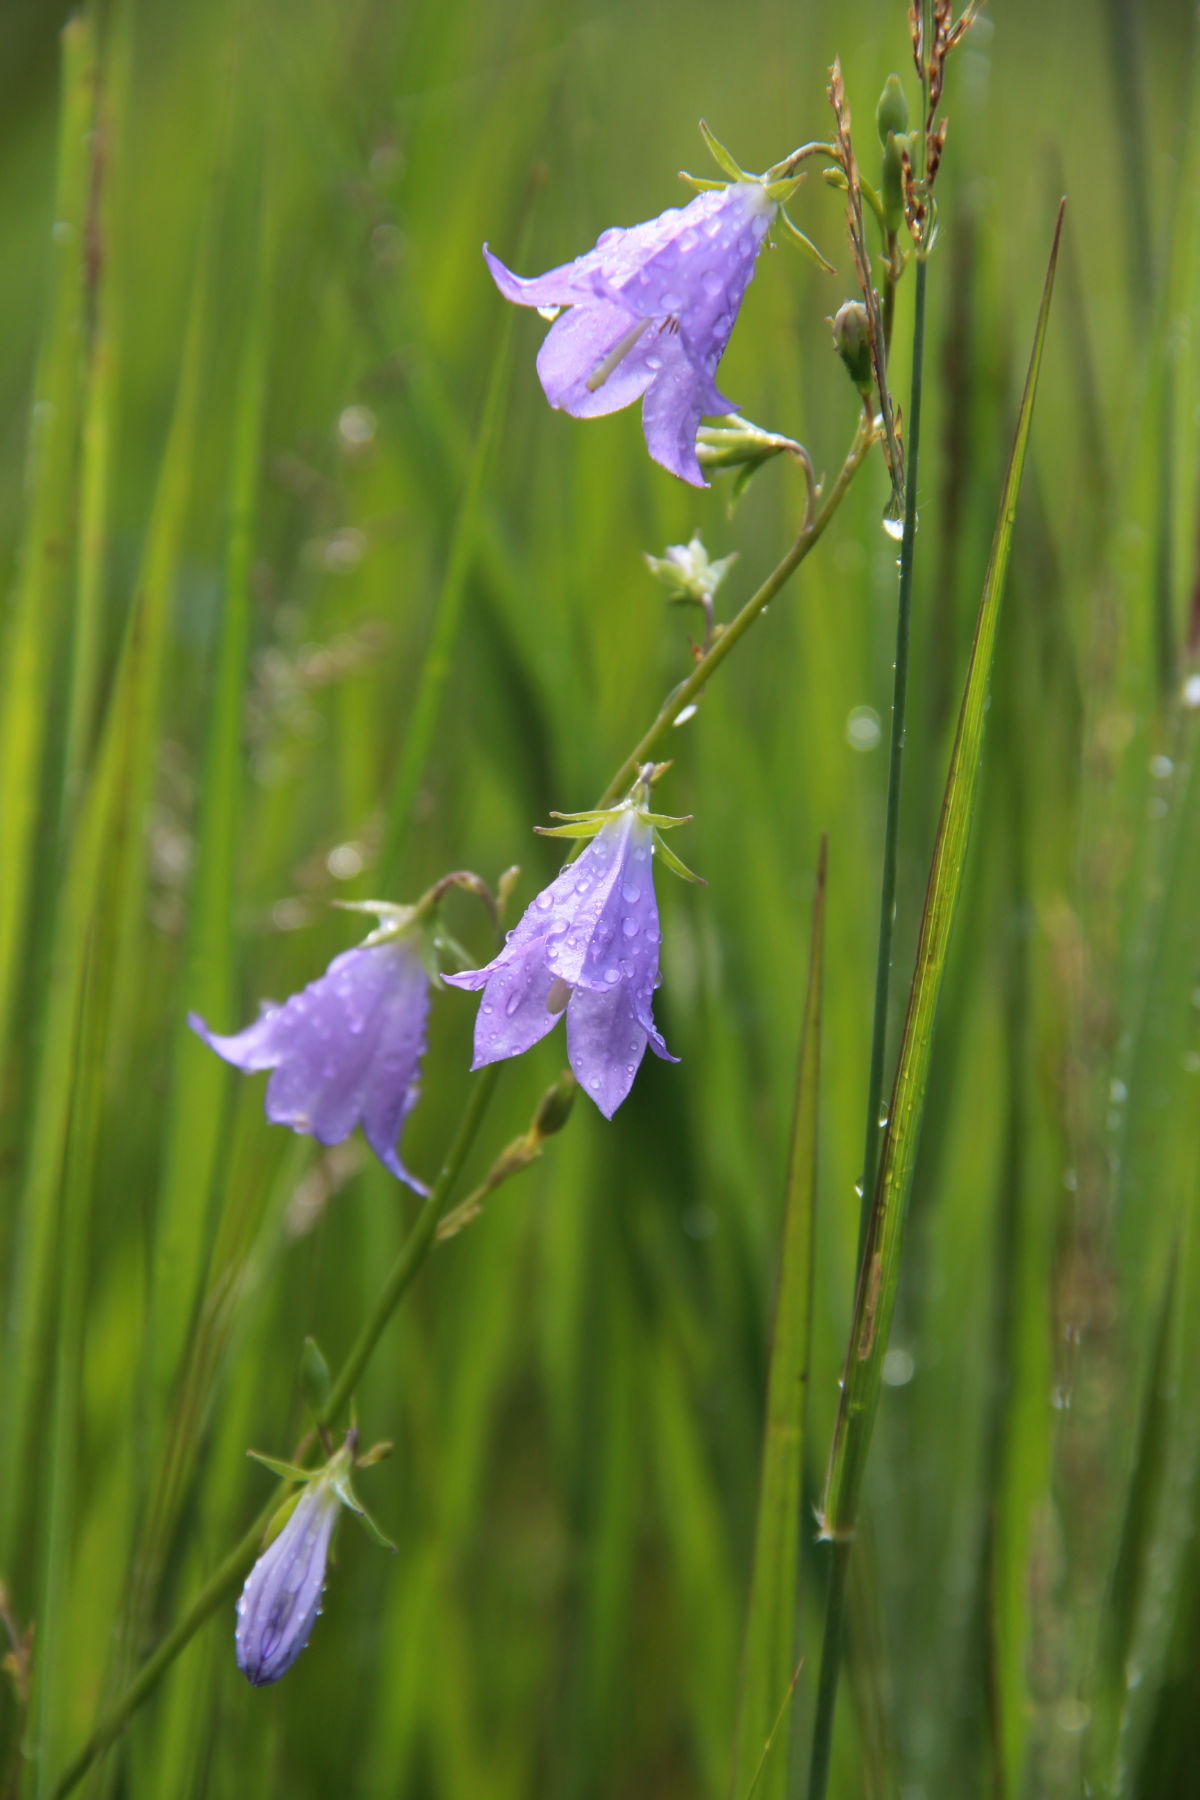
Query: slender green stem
[421, 1238]
[891, 835]
[219, 1586]
[226, 1578]
[415, 1249]
[831, 1662]
[688, 690]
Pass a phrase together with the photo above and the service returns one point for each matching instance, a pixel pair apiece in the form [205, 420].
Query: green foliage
[310, 597]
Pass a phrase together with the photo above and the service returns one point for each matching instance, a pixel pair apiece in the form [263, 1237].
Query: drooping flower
[282, 1596]
[347, 1048]
[587, 946]
[650, 313]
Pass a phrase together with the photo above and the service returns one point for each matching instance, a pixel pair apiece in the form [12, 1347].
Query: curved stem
[225, 1579]
[687, 690]
[420, 1240]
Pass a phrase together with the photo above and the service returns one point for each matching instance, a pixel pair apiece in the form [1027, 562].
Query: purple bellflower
[348, 1046]
[650, 313]
[587, 946]
[282, 1596]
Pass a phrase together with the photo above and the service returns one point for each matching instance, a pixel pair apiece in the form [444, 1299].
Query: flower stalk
[228, 1576]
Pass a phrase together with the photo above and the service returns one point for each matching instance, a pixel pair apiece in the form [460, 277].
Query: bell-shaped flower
[282, 1596]
[347, 1048]
[587, 947]
[650, 313]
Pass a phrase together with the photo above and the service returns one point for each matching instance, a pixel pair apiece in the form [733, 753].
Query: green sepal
[453, 951]
[720, 155]
[350, 1500]
[672, 862]
[807, 244]
[286, 1471]
[781, 191]
[279, 1518]
[597, 812]
[393, 920]
[664, 821]
[587, 828]
[701, 183]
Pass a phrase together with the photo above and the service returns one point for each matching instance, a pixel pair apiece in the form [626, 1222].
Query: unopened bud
[556, 1104]
[852, 341]
[891, 114]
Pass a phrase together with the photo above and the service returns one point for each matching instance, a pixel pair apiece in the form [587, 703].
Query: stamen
[615, 357]
[557, 995]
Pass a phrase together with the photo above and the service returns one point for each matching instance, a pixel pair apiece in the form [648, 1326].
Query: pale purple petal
[685, 274]
[346, 1048]
[671, 414]
[605, 1045]
[513, 1014]
[282, 1595]
[574, 350]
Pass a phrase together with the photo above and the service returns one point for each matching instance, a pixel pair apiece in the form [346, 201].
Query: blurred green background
[246, 475]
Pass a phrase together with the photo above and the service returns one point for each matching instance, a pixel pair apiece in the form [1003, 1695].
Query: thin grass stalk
[196, 1105]
[769, 1641]
[53, 1664]
[101, 386]
[31, 641]
[156, 584]
[447, 611]
[878, 1280]
[891, 831]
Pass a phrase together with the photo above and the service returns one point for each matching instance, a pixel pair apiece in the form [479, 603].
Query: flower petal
[605, 1045]
[513, 1015]
[347, 1047]
[671, 414]
[575, 351]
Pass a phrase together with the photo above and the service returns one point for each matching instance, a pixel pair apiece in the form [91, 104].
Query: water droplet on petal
[611, 975]
[631, 893]
[631, 928]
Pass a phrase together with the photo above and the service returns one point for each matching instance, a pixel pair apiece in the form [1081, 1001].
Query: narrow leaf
[768, 1646]
[875, 1298]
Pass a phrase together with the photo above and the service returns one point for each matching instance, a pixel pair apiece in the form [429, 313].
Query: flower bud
[891, 114]
[282, 1595]
[852, 341]
[555, 1108]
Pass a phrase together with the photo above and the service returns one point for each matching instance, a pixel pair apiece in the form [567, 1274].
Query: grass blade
[768, 1659]
[879, 1269]
[27, 670]
[876, 1295]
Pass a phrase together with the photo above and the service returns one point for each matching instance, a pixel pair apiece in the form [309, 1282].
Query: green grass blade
[876, 1295]
[200, 1080]
[97, 429]
[27, 669]
[1121, 1612]
[768, 1647]
[435, 670]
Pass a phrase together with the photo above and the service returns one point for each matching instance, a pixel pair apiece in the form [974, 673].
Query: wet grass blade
[768, 1647]
[32, 642]
[878, 1277]
[879, 1270]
